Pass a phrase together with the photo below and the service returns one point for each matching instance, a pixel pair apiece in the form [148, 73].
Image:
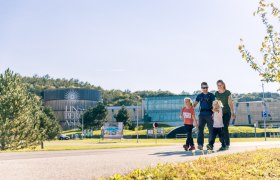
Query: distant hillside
[270, 97]
[37, 84]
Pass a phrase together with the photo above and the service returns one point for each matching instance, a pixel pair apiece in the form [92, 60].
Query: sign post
[155, 125]
[264, 116]
[255, 126]
[113, 130]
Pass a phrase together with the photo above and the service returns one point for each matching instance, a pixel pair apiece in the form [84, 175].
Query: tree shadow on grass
[183, 153]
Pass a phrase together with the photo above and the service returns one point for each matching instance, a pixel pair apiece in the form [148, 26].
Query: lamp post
[83, 110]
[138, 98]
[263, 113]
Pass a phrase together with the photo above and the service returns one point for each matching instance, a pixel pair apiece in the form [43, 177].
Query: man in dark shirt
[205, 100]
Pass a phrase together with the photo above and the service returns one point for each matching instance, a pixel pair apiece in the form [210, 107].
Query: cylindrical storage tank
[69, 103]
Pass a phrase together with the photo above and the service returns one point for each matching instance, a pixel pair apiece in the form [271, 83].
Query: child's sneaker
[192, 148]
[209, 147]
[200, 147]
[186, 147]
[222, 149]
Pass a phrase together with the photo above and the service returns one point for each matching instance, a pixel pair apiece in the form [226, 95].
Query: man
[205, 100]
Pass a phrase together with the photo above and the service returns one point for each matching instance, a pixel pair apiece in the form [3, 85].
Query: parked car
[63, 137]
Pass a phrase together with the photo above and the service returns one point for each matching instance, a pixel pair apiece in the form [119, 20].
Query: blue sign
[264, 114]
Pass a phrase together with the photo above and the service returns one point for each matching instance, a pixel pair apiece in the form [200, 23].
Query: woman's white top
[218, 119]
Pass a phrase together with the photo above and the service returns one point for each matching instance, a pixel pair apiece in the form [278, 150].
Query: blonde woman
[225, 97]
[188, 115]
[217, 126]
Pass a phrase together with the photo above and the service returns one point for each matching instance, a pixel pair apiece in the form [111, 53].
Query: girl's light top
[218, 119]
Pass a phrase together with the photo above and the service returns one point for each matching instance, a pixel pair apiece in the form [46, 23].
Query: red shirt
[187, 114]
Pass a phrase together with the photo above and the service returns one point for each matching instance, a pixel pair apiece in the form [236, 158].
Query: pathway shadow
[183, 153]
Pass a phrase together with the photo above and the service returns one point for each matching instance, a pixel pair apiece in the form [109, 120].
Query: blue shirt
[205, 104]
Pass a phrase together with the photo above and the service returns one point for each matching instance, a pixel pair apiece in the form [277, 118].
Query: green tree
[123, 116]
[19, 120]
[269, 66]
[94, 118]
[49, 126]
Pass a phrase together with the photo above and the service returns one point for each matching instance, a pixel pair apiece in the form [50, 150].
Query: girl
[218, 126]
[188, 114]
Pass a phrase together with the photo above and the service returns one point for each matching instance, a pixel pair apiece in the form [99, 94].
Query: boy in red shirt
[188, 114]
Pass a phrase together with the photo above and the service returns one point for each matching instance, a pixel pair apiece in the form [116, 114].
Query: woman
[224, 95]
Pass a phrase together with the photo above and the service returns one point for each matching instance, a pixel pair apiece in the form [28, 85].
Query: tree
[49, 126]
[269, 66]
[19, 115]
[123, 116]
[94, 118]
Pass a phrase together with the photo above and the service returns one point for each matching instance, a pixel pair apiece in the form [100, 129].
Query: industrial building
[167, 109]
[68, 104]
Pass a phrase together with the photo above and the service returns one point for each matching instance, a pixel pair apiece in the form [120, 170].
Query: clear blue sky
[136, 45]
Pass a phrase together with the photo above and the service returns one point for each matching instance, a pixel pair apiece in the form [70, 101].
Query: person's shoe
[192, 148]
[209, 147]
[222, 149]
[186, 147]
[200, 147]
[227, 147]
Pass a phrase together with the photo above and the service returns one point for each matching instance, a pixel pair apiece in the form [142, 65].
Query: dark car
[63, 137]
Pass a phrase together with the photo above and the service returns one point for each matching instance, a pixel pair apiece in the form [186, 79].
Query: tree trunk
[42, 145]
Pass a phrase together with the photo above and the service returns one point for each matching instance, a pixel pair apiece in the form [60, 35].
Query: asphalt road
[91, 164]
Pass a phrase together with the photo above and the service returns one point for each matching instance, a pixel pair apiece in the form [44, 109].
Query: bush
[261, 164]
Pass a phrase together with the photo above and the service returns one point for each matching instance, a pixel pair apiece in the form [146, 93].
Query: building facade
[68, 104]
[135, 113]
[166, 110]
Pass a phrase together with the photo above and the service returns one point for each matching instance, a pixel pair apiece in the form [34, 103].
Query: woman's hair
[191, 102]
[223, 83]
[219, 103]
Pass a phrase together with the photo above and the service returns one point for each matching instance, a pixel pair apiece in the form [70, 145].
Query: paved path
[90, 164]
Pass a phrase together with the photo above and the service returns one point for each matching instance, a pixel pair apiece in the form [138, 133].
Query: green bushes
[261, 164]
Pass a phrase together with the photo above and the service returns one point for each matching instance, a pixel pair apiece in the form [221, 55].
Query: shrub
[261, 164]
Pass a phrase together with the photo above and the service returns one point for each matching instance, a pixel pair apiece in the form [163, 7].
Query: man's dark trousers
[203, 120]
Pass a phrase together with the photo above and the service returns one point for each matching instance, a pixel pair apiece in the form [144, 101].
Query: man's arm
[195, 104]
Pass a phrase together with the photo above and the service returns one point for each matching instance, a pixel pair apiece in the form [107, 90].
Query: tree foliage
[269, 66]
[49, 125]
[23, 120]
[123, 116]
[19, 116]
[94, 118]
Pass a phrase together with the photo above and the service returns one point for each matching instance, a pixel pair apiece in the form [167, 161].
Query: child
[188, 114]
[218, 126]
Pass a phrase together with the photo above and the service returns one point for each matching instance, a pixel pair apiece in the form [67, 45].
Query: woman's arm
[230, 103]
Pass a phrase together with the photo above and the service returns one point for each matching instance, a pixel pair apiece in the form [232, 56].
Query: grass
[261, 164]
[232, 129]
[93, 144]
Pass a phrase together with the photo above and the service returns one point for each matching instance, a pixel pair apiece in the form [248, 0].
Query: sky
[135, 45]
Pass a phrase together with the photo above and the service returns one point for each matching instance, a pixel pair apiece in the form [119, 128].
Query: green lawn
[232, 129]
[92, 144]
[261, 164]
